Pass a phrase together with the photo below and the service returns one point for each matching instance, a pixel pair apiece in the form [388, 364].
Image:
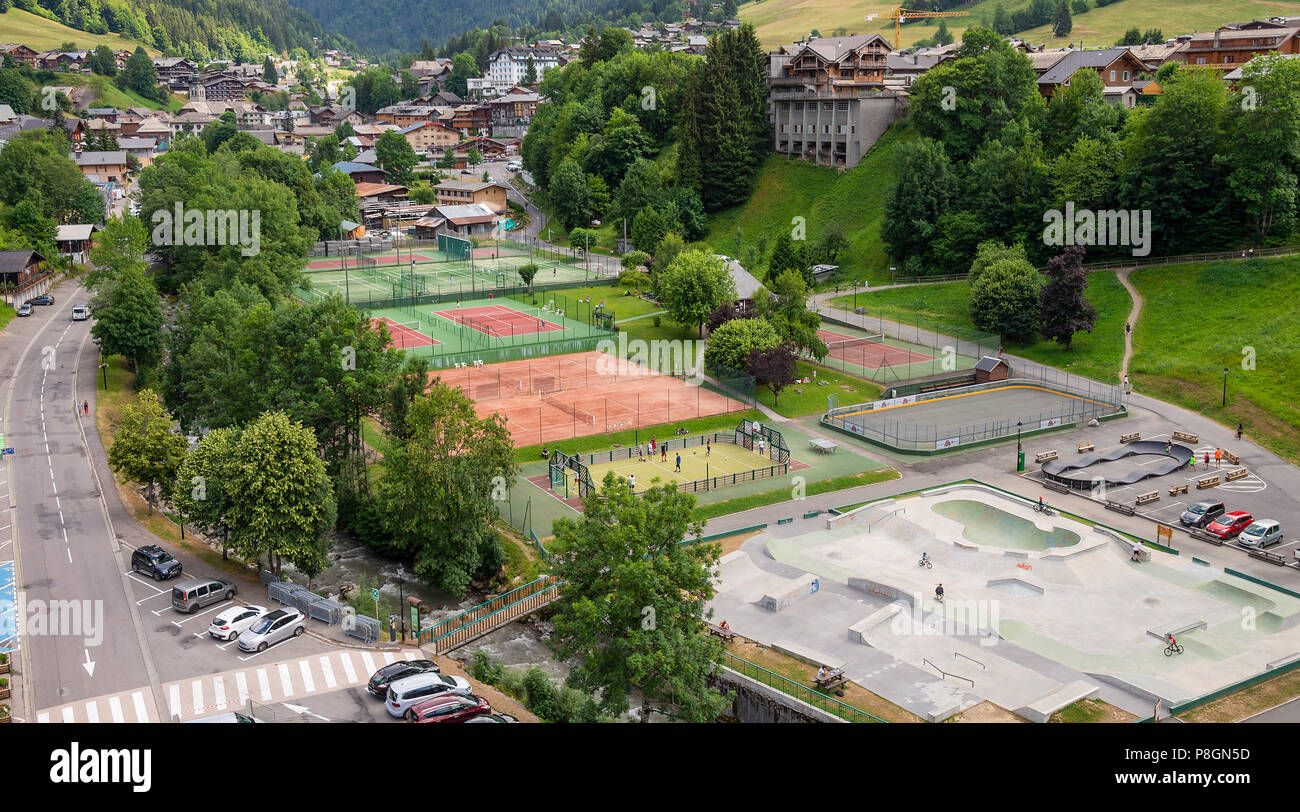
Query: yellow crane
[901, 15]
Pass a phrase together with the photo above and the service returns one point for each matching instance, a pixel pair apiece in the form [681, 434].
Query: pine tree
[1062, 22]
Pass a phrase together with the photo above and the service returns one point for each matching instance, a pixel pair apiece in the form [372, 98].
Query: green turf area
[944, 308]
[7, 314]
[787, 189]
[717, 460]
[713, 510]
[604, 442]
[41, 34]
[800, 399]
[1197, 319]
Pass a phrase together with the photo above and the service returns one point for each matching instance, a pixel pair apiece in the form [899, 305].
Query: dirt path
[1133, 314]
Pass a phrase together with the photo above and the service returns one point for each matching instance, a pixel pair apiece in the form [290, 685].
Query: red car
[1229, 524]
[448, 708]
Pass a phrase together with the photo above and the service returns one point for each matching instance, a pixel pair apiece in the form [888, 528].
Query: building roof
[1074, 61]
[17, 261]
[467, 213]
[921, 59]
[988, 363]
[1046, 58]
[1157, 53]
[6, 113]
[113, 157]
[366, 189]
[74, 233]
[137, 143]
[467, 185]
[348, 167]
[833, 49]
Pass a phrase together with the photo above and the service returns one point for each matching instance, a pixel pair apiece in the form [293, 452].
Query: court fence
[1086, 403]
[919, 352]
[746, 434]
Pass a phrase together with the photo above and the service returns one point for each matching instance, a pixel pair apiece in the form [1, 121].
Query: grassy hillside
[42, 34]
[787, 189]
[1185, 338]
[780, 22]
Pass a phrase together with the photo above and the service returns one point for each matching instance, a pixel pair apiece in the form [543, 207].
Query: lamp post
[401, 598]
[1225, 387]
[1020, 453]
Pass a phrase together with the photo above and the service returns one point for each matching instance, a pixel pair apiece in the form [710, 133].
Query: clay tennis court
[868, 353]
[402, 336]
[581, 395]
[499, 320]
[336, 263]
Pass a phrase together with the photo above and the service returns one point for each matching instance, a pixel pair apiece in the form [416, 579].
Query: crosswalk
[231, 690]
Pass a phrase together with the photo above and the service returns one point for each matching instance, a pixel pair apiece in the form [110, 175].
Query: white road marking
[42, 718]
[264, 684]
[241, 688]
[219, 692]
[368, 663]
[92, 712]
[308, 682]
[115, 708]
[196, 686]
[348, 671]
[328, 672]
[286, 684]
[141, 713]
[174, 699]
[68, 717]
[389, 659]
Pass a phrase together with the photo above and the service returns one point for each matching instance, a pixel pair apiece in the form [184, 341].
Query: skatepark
[1039, 610]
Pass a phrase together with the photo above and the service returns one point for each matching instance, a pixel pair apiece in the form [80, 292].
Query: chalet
[361, 173]
[425, 136]
[1118, 67]
[153, 127]
[906, 67]
[175, 71]
[404, 115]
[74, 241]
[510, 115]
[106, 166]
[375, 196]
[144, 150]
[23, 56]
[827, 98]
[490, 149]
[1155, 55]
[105, 113]
[61, 60]
[1228, 48]
[191, 123]
[471, 220]
[490, 194]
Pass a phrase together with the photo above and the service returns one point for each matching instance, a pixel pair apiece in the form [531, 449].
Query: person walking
[1238, 431]
[1191, 461]
[85, 404]
[1128, 328]
[1218, 458]
[663, 448]
[1207, 459]
[679, 464]
[708, 447]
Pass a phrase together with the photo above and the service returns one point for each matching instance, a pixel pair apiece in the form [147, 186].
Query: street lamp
[401, 598]
[1018, 448]
[1225, 387]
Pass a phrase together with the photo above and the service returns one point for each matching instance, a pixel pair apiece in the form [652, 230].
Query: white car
[234, 621]
[80, 313]
[407, 691]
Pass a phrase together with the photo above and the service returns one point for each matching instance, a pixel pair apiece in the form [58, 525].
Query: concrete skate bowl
[1074, 473]
[988, 526]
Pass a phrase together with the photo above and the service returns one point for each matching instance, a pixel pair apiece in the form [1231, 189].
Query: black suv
[155, 562]
[380, 680]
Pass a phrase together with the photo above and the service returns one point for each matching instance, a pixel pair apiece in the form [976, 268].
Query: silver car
[274, 628]
[1261, 533]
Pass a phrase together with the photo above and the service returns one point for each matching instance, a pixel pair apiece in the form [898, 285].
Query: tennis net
[572, 411]
[855, 342]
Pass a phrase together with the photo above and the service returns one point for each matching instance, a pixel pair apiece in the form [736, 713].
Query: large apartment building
[1230, 48]
[506, 67]
[827, 97]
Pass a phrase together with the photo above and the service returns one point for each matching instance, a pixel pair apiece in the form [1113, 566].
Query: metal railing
[479, 620]
[945, 674]
[796, 689]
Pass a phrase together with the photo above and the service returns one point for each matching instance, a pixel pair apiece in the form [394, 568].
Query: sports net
[572, 411]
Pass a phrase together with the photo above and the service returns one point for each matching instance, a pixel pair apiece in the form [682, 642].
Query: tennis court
[868, 350]
[698, 462]
[499, 320]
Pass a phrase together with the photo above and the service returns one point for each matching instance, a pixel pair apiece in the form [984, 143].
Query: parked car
[155, 562]
[197, 593]
[227, 718]
[448, 708]
[274, 628]
[80, 313]
[514, 166]
[24, 309]
[1262, 533]
[381, 679]
[493, 719]
[1229, 524]
[234, 621]
[42, 300]
[407, 692]
[1201, 514]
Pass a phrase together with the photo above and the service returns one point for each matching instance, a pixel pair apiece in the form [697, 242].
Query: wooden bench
[1186, 438]
[727, 635]
[1119, 507]
[1207, 482]
[1174, 490]
[1086, 447]
[1044, 456]
[1056, 486]
[1130, 438]
[1240, 473]
[833, 679]
[785, 521]
[1265, 555]
[1206, 537]
[1147, 498]
[1230, 457]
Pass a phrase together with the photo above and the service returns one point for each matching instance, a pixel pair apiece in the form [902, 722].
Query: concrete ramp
[787, 591]
[740, 577]
[1041, 709]
[859, 632]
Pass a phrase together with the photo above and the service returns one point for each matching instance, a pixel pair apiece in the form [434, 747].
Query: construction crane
[901, 15]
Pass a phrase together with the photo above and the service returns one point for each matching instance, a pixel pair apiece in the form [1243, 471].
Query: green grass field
[944, 308]
[781, 22]
[41, 34]
[1198, 319]
[787, 189]
[802, 399]
[698, 462]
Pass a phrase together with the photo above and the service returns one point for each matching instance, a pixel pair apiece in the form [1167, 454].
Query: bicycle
[1172, 649]
[925, 562]
[1044, 509]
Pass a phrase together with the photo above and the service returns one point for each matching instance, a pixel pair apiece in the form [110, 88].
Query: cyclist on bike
[1171, 640]
[938, 593]
[925, 559]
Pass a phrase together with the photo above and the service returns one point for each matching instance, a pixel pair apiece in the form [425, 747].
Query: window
[1200, 60]
[1112, 76]
[1126, 76]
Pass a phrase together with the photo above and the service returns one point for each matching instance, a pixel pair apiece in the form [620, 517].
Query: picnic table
[727, 635]
[833, 679]
[824, 446]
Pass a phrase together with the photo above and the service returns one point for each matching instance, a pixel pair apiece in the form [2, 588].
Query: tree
[943, 36]
[693, 286]
[1062, 22]
[924, 189]
[141, 76]
[28, 219]
[832, 242]
[103, 62]
[269, 73]
[597, 196]
[1079, 6]
[1132, 36]
[570, 196]
[527, 272]
[118, 249]
[463, 68]
[281, 502]
[145, 450]
[648, 230]
[1005, 299]
[635, 259]
[1002, 23]
[437, 492]
[1065, 306]
[788, 254]
[991, 251]
[394, 154]
[784, 304]
[1264, 151]
[129, 320]
[325, 153]
[581, 238]
[201, 482]
[623, 555]
[670, 247]
[730, 345]
[473, 157]
[530, 71]
[773, 368]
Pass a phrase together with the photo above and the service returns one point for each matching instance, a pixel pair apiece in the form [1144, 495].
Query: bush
[484, 670]
[635, 259]
[540, 694]
[575, 707]
[1005, 299]
[731, 343]
[512, 682]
